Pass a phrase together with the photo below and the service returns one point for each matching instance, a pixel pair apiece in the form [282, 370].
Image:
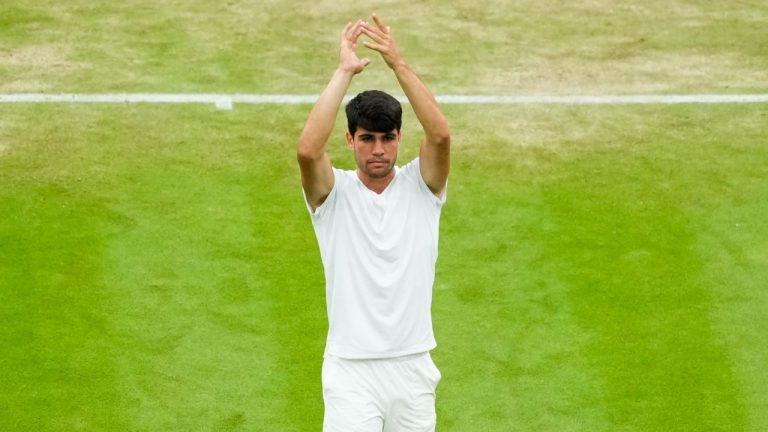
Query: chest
[396, 218]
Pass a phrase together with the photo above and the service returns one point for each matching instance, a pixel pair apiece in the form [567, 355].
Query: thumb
[366, 61]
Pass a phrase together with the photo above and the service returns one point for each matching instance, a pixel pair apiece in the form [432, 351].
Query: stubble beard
[376, 173]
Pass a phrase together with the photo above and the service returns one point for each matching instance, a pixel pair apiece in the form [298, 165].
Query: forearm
[435, 152]
[424, 104]
[319, 125]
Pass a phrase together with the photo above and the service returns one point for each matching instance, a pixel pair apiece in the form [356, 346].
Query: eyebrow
[388, 135]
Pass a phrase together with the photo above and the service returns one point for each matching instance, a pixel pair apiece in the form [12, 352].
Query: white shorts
[390, 395]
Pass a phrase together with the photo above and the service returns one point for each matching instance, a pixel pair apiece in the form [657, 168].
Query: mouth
[378, 163]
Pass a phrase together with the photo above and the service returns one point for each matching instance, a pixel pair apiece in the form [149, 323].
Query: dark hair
[375, 111]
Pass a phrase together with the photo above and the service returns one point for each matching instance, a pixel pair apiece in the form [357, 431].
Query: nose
[378, 147]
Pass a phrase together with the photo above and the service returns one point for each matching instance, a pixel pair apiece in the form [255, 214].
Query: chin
[378, 174]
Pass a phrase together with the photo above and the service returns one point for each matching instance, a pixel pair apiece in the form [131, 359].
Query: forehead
[364, 131]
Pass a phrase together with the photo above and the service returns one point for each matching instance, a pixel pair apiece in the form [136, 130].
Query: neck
[376, 184]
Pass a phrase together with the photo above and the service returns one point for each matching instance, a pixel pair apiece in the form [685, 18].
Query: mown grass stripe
[225, 101]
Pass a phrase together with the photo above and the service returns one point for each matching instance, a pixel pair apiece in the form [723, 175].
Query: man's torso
[379, 253]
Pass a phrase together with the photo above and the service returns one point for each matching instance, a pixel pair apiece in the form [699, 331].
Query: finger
[379, 24]
[373, 46]
[356, 32]
[351, 29]
[346, 29]
[374, 35]
[366, 61]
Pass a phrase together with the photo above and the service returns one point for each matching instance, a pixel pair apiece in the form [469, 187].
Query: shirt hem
[367, 355]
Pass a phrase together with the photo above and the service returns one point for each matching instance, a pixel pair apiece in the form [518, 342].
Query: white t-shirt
[379, 253]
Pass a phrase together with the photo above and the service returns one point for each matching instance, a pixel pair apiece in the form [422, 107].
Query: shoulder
[411, 173]
[411, 170]
[342, 179]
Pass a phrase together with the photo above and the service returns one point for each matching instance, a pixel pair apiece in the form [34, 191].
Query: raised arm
[434, 155]
[316, 171]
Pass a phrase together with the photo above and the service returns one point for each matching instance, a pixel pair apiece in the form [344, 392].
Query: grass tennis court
[602, 268]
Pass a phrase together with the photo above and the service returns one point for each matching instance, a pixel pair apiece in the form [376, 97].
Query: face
[375, 152]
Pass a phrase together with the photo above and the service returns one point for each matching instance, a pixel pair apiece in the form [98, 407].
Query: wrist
[344, 72]
[399, 65]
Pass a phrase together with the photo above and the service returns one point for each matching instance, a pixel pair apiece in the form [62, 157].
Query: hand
[383, 42]
[348, 60]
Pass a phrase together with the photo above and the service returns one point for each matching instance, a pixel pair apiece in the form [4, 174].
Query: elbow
[307, 154]
[445, 138]
[304, 157]
[441, 134]
[441, 138]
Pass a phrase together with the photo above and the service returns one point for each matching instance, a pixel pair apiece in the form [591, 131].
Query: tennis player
[377, 229]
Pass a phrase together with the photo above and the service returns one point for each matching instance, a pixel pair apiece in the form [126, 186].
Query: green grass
[596, 252]
[159, 270]
[478, 46]
[602, 268]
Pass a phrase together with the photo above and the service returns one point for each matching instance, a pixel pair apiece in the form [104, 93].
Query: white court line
[226, 101]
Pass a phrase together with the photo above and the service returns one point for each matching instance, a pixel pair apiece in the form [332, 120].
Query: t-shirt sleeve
[413, 170]
[330, 200]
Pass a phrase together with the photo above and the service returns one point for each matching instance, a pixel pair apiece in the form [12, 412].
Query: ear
[350, 144]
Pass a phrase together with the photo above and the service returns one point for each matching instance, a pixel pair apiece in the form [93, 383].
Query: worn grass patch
[601, 267]
[467, 47]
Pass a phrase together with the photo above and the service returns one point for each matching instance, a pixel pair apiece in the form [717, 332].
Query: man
[377, 228]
